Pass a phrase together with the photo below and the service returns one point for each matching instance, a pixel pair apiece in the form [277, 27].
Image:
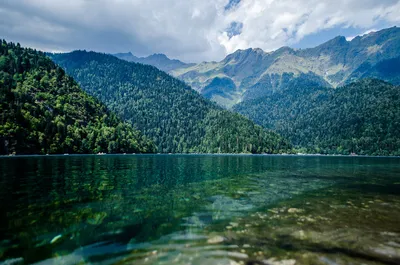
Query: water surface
[199, 209]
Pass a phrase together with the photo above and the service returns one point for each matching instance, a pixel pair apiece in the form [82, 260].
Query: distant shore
[191, 154]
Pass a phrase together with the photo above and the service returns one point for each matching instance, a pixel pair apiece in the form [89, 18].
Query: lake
[199, 209]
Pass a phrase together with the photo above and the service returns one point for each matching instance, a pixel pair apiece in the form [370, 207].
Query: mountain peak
[248, 50]
[127, 56]
[158, 55]
[124, 54]
[240, 55]
[335, 45]
[284, 49]
[337, 41]
[159, 60]
[258, 50]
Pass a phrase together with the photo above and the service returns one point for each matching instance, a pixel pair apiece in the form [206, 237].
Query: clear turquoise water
[199, 209]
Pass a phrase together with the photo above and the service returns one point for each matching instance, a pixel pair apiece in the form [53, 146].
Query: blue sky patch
[232, 4]
[320, 37]
[235, 28]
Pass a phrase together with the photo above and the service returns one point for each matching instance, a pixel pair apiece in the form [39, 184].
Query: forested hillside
[43, 110]
[362, 117]
[169, 112]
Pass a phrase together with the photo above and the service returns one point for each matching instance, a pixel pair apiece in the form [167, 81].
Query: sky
[189, 30]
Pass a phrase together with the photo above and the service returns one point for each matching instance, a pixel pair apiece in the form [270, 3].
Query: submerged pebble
[234, 224]
[55, 239]
[215, 240]
[15, 261]
[294, 210]
[273, 261]
[299, 235]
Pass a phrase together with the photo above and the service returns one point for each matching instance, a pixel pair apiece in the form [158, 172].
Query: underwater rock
[55, 239]
[393, 244]
[273, 261]
[234, 224]
[389, 234]
[215, 240]
[328, 261]
[294, 210]
[15, 261]
[224, 207]
[299, 235]
[198, 220]
[388, 251]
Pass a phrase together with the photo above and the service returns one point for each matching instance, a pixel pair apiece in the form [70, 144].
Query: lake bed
[199, 209]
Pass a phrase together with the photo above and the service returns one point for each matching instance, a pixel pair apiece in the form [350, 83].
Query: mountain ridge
[256, 73]
[159, 60]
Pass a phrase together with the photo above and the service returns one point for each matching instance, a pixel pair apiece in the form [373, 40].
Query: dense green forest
[43, 110]
[169, 112]
[362, 117]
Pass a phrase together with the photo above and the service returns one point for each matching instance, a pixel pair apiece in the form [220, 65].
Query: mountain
[388, 70]
[161, 61]
[249, 74]
[168, 111]
[43, 111]
[362, 117]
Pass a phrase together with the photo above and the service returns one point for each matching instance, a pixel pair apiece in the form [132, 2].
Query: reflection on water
[194, 209]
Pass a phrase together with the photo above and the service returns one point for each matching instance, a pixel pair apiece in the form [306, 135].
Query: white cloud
[192, 30]
[362, 34]
[271, 24]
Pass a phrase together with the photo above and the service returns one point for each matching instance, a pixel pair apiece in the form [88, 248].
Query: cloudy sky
[190, 30]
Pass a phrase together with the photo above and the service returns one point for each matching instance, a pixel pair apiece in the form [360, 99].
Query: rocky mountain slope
[252, 73]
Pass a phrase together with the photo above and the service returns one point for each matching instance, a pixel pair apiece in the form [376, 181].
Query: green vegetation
[230, 131]
[362, 118]
[173, 115]
[43, 110]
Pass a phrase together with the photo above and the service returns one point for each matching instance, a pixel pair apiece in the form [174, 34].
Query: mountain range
[159, 60]
[252, 73]
[341, 97]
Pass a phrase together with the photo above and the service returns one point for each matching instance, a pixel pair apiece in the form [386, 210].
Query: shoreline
[196, 154]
